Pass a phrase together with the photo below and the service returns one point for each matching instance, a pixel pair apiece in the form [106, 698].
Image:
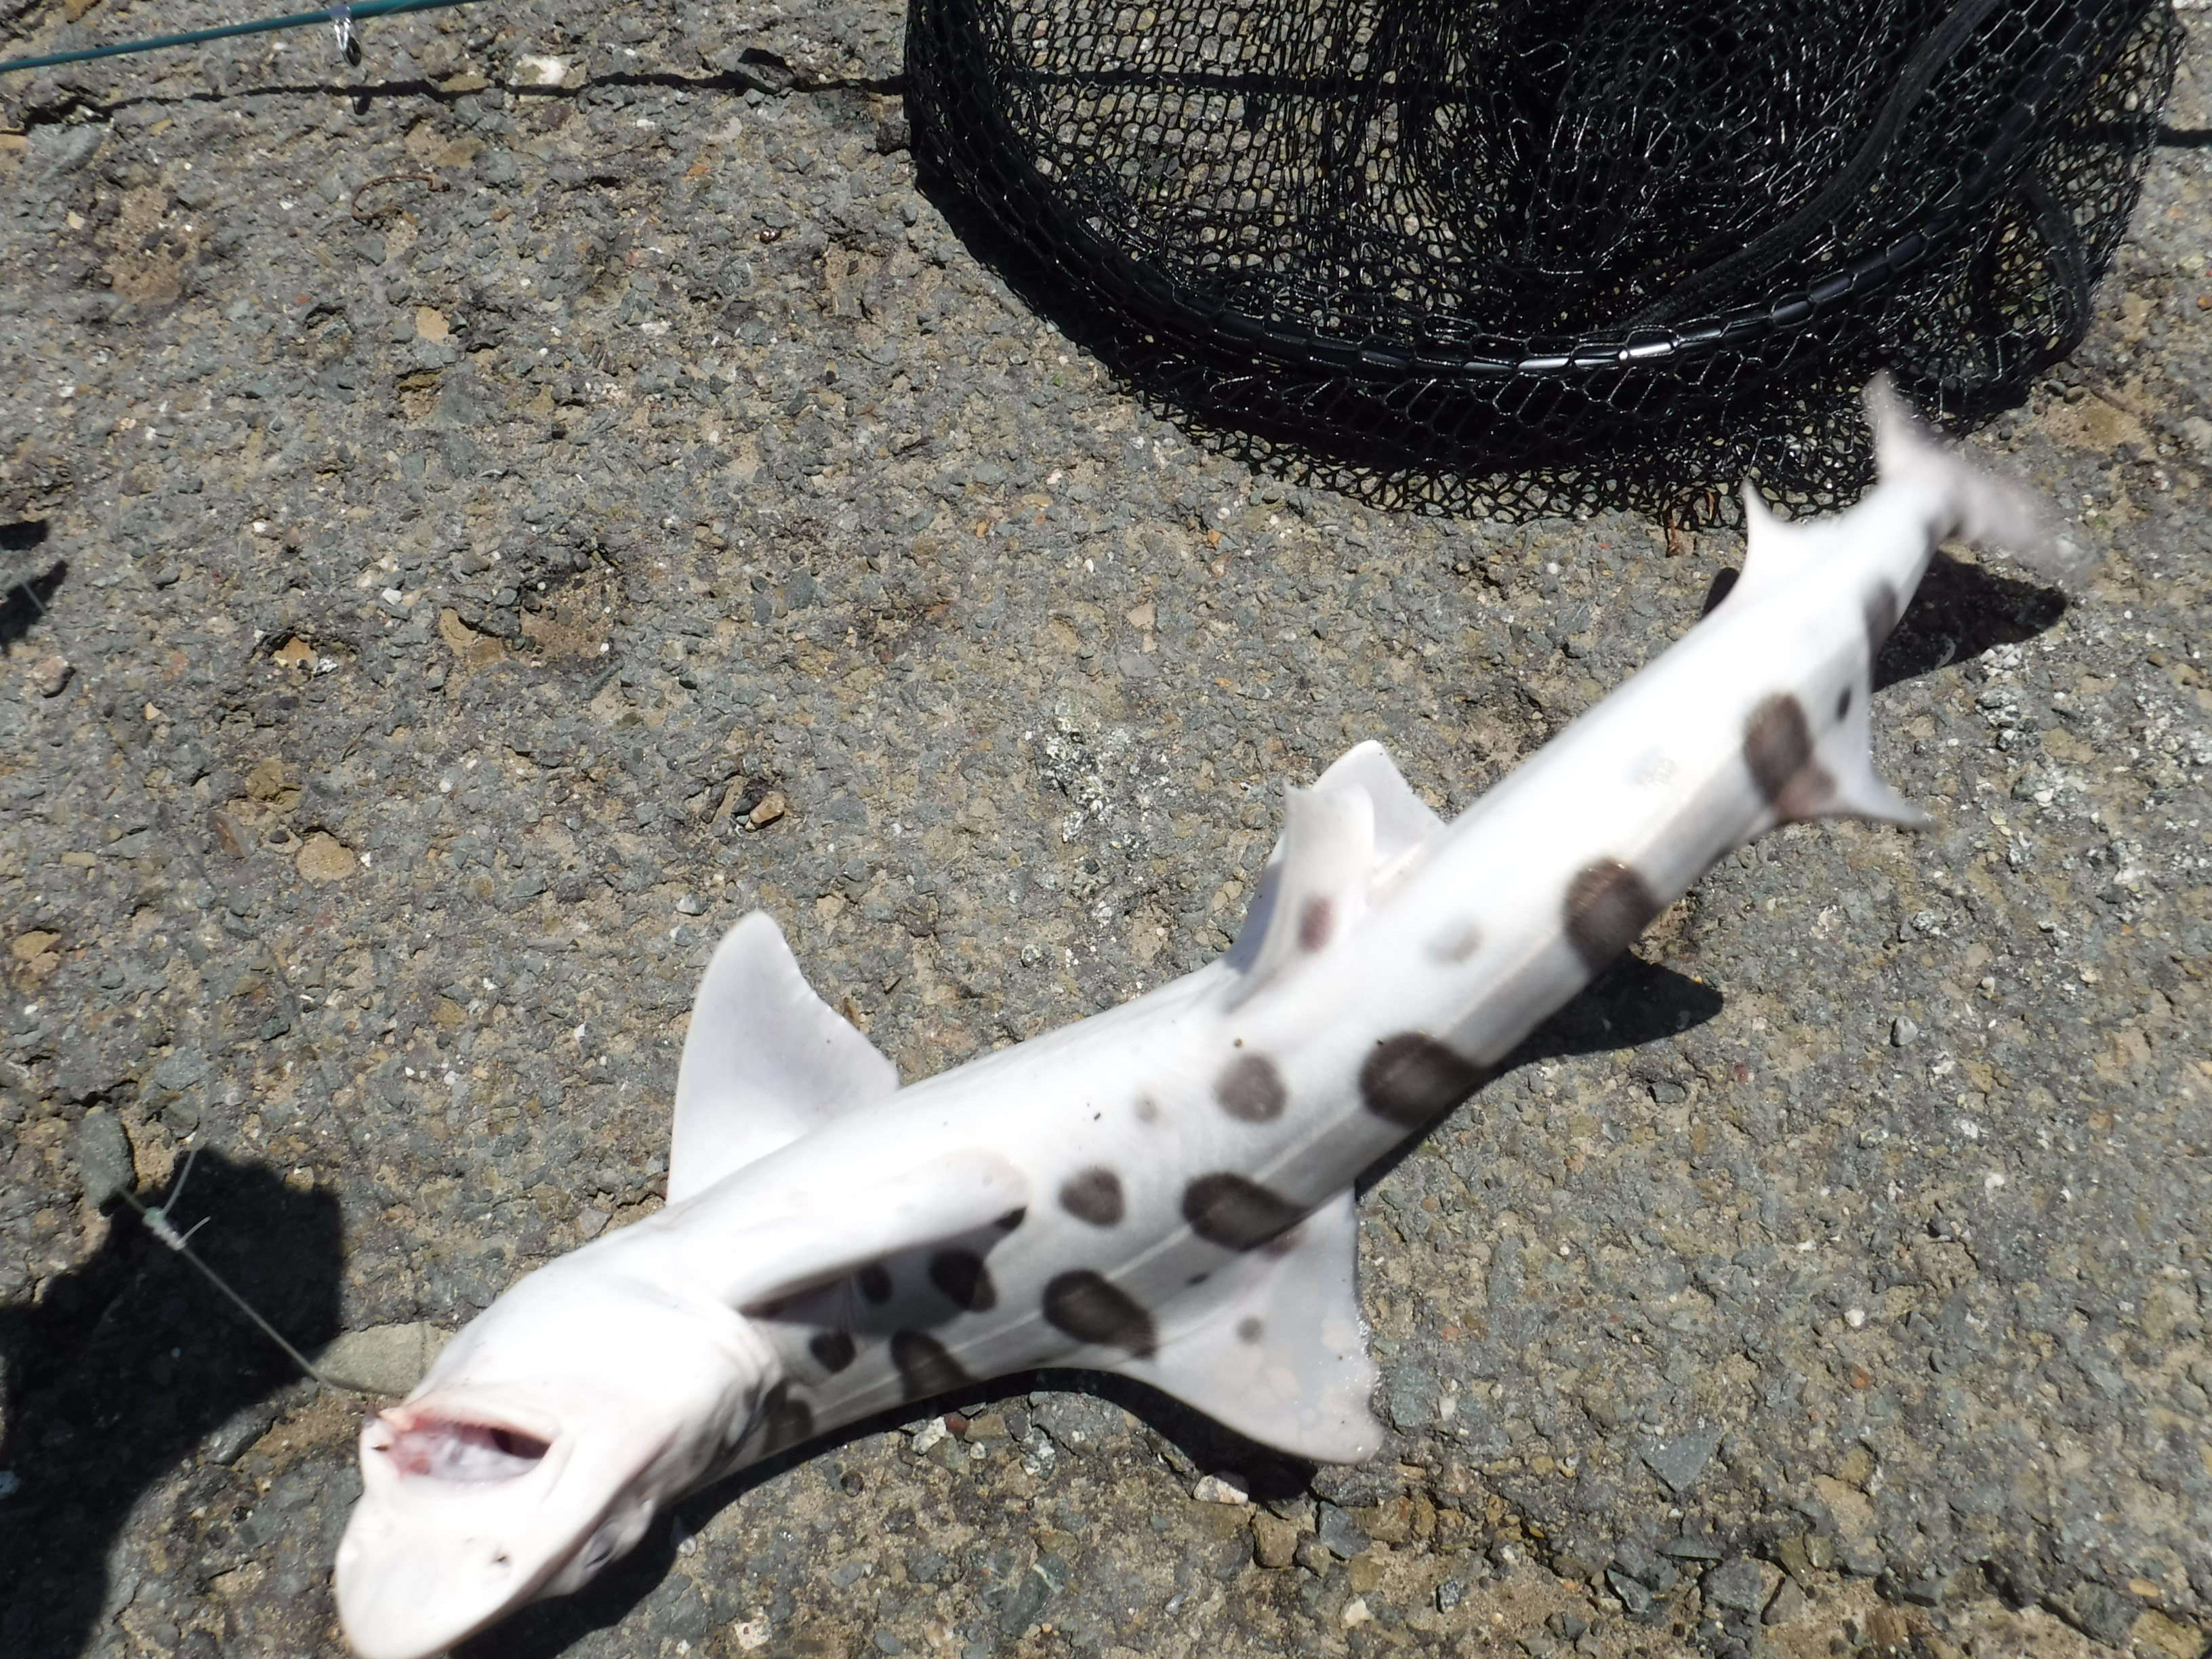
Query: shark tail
[1976, 504]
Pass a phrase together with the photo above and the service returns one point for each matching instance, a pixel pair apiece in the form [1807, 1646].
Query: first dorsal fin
[1343, 840]
[1273, 1345]
[1773, 552]
[1403, 821]
[1314, 887]
[765, 1061]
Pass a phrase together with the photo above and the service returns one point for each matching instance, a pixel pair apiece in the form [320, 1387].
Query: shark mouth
[442, 1447]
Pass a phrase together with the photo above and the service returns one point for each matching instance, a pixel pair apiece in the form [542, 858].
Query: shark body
[1161, 1190]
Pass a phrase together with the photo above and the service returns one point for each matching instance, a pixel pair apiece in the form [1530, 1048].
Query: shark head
[539, 1447]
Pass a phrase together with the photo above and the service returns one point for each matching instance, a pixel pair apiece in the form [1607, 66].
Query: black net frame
[1517, 257]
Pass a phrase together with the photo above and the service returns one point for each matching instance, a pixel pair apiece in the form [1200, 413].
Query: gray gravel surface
[497, 515]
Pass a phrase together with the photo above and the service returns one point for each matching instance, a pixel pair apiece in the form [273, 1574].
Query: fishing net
[1515, 256]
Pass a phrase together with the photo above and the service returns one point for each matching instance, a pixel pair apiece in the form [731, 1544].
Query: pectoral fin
[765, 1061]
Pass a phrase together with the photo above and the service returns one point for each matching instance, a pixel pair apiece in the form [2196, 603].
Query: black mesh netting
[1515, 256]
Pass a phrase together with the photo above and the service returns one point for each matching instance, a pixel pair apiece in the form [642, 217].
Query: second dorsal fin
[766, 1060]
[1774, 551]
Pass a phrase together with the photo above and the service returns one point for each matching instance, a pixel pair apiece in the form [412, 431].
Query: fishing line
[340, 17]
[156, 1217]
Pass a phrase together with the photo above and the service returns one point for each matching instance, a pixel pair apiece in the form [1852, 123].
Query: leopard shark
[1164, 1191]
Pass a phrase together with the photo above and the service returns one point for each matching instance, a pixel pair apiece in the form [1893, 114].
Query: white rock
[382, 1359]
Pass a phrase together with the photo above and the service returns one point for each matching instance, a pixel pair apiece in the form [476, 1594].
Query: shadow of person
[122, 1367]
[25, 598]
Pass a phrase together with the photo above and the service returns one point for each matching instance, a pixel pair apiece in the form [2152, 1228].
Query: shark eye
[445, 1448]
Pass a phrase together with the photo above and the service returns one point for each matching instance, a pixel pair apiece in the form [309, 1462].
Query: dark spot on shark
[1778, 744]
[1882, 612]
[1778, 748]
[1317, 920]
[1091, 1308]
[1251, 1088]
[1093, 1195]
[962, 1275]
[1456, 943]
[1148, 1110]
[1607, 905]
[786, 1420]
[1011, 1219]
[875, 1283]
[832, 1350]
[924, 1367]
[1843, 702]
[1411, 1078]
[1249, 1329]
[1236, 1213]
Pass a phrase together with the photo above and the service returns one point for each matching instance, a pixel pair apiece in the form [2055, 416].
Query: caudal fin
[1983, 508]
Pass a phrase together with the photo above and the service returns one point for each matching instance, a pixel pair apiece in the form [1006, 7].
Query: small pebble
[1274, 1540]
[1789, 1603]
[102, 1153]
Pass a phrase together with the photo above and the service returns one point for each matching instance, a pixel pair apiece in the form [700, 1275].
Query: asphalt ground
[479, 525]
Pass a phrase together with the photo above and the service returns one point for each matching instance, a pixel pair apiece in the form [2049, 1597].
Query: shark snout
[542, 1445]
[467, 1510]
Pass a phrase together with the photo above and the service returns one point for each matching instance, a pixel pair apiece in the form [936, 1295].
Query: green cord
[298, 20]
